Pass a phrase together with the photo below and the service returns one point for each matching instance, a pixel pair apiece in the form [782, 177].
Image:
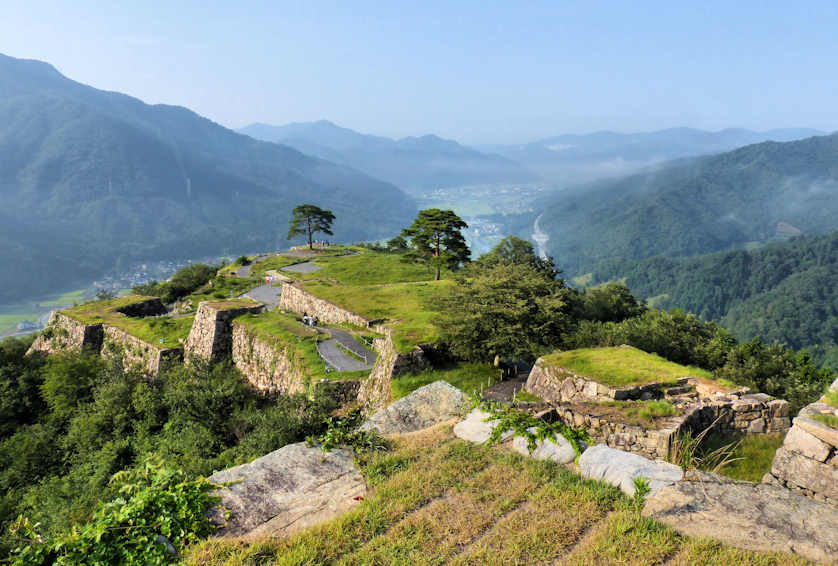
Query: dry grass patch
[702, 552]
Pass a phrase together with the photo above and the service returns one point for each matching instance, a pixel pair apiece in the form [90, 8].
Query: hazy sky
[480, 72]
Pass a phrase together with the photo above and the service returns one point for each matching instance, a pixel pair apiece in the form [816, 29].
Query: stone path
[340, 360]
[244, 270]
[307, 267]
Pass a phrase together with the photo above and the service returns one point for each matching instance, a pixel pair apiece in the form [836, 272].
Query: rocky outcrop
[428, 406]
[268, 364]
[64, 333]
[211, 336]
[149, 358]
[555, 448]
[808, 460]
[301, 302]
[477, 427]
[286, 491]
[746, 515]
[621, 468]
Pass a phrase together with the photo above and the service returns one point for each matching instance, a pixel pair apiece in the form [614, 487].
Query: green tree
[309, 219]
[435, 239]
[513, 249]
[510, 310]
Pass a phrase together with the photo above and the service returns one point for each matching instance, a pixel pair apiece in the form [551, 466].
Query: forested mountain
[413, 163]
[572, 159]
[756, 194]
[90, 178]
[786, 293]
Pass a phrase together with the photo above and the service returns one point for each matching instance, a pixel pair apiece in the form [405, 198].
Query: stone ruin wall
[301, 302]
[807, 462]
[268, 365]
[736, 412]
[64, 333]
[375, 391]
[136, 352]
[211, 336]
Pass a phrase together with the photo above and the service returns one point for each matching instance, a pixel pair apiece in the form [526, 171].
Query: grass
[285, 330]
[439, 500]
[752, 455]
[831, 398]
[525, 396]
[641, 412]
[409, 305]
[368, 267]
[828, 420]
[467, 377]
[223, 288]
[622, 366]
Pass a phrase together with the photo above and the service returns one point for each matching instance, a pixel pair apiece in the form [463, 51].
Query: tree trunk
[308, 222]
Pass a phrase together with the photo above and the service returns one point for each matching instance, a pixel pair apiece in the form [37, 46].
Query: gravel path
[244, 270]
[340, 360]
[307, 267]
[267, 294]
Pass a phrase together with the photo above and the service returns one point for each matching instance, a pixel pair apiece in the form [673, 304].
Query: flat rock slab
[620, 468]
[307, 267]
[286, 491]
[558, 448]
[750, 516]
[428, 406]
[477, 427]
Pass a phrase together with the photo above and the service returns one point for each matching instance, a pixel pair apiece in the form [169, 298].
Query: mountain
[417, 164]
[760, 193]
[785, 292]
[572, 159]
[90, 179]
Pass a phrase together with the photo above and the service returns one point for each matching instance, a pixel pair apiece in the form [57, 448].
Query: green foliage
[641, 490]
[469, 377]
[514, 250]
[20, 382]
[831, 398]
[309, 219]
[611, 302]
[749, 455]
[155, 506]
[185, 281]
[436, 240]
[828, 420]
[520, 422]
[343, 431]
[508, 310]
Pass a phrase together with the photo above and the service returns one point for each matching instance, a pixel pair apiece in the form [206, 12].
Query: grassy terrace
[150, 329]
[439, 500]
[622, 366]
[287, 330]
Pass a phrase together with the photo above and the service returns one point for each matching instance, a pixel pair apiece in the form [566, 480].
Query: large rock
[477, 427]
[285, 491]
[556, 448]
[749, 516]
[798, 470]
[428, 406]
[620, 468]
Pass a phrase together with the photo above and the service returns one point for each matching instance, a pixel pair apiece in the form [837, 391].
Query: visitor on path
[305, 319]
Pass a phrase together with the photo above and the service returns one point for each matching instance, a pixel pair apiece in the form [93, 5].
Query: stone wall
[301, 302]
[375, 391]
[64, 333]
[559, 385]
[268, 365]
[807, 462]
[136, 352]
[211, 336]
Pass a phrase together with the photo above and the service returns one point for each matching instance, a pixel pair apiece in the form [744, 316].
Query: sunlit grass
[467, 377]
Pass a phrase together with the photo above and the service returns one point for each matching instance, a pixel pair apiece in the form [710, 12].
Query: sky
[480, 72]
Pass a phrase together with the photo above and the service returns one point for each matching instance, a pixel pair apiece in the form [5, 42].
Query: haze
[474, 71]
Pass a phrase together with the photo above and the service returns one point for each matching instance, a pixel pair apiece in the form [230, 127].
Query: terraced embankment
[439, 500]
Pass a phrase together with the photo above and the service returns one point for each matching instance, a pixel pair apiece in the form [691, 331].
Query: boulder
[478, 428]
[556, 448]
[285, 491]
[428, 406]
[750, 516]
[620, 468]
[798, 440]
[796, 469]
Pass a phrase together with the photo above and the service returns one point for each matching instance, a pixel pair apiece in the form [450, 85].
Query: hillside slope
[785, 293]
[89, 178]
[413, 163]
[759, 193]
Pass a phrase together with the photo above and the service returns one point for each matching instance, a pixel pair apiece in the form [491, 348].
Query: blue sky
[476, 71]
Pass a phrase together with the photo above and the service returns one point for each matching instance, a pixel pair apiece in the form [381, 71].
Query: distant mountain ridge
[93, 178]
[414, 163]
[578, 158]
[756, 194]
